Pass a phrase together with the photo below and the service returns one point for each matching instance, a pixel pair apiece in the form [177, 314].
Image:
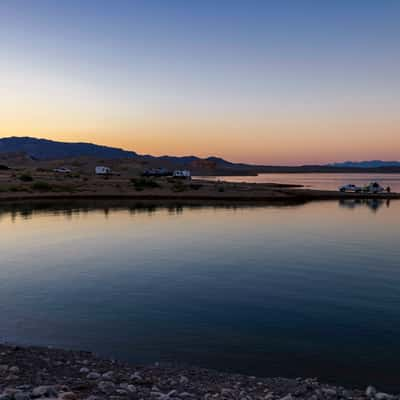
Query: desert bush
[143, 183]
[25, 178]
[196, 186]
[17, 188]
[42, 186]
[178, 186]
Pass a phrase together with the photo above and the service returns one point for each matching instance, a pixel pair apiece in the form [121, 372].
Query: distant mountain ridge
[18, 150]
[366, 164]
[44, 149]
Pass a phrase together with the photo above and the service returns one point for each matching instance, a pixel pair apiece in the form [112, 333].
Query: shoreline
[275, 194]
[28, 372]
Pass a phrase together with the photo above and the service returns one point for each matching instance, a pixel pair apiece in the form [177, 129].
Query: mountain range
[34, 149]
[366, 164]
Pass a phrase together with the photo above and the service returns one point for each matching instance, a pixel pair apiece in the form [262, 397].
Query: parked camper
[101, 170]
[62, 170]
[185, 174]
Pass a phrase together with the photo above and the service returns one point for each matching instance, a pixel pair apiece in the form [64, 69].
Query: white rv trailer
[101, 170]
[182, 174]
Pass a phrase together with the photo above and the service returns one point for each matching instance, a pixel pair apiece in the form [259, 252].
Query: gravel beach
[46, 373]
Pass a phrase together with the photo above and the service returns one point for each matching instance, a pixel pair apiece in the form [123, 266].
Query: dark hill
[43, 149]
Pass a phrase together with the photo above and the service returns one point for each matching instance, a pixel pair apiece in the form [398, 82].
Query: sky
[268, 82]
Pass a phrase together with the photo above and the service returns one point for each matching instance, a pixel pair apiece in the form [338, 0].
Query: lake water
[284, 290]
[318, 181]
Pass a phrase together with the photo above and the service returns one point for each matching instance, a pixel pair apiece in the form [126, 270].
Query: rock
[14, 369]
[183, 380]
[108, 375]
[136, 377]
[227, 392]
[329, 392]
[67, 396]
[163, 396]
[12, 377]
[93, 376]
[383, 396]
[131, 388]
[84, 370]
[22, 396]
[106, 386]
[44, 391]
[370, 391]
[5, 396]
[287, 397]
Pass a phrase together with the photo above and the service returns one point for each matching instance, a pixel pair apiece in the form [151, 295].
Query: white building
[182, 174]
[100, 170]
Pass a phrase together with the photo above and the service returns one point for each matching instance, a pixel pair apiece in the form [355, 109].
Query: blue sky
[141, 74]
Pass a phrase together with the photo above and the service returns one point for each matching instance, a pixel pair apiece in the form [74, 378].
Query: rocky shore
[44, 373]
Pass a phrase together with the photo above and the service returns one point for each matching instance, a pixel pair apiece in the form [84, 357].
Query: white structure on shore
[182, 174]
[101, 170]
[62, 170]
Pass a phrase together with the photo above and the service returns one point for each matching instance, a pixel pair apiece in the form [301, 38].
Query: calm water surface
[318, 181]
[296, 290]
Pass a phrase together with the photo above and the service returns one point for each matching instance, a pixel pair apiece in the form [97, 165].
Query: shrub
[16, 188]
[42, 186]
[179, 186]
[196, 186]
[142, 183]
[25, 178]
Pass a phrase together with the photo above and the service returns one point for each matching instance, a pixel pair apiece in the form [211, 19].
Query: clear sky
[273, 82]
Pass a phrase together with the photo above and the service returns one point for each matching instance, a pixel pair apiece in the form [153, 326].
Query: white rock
[131, 388]
[93, 375]
[370, 391]
[108, 375]
[84, 370]
[329, 392]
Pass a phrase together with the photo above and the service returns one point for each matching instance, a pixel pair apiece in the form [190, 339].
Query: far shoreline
[233, 197]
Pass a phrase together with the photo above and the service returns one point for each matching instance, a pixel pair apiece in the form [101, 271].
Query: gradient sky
[273, 82]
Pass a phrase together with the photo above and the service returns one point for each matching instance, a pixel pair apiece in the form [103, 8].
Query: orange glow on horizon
[284, 142]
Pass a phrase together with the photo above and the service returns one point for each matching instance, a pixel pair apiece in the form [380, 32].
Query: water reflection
[373, 204]
[26, 210]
